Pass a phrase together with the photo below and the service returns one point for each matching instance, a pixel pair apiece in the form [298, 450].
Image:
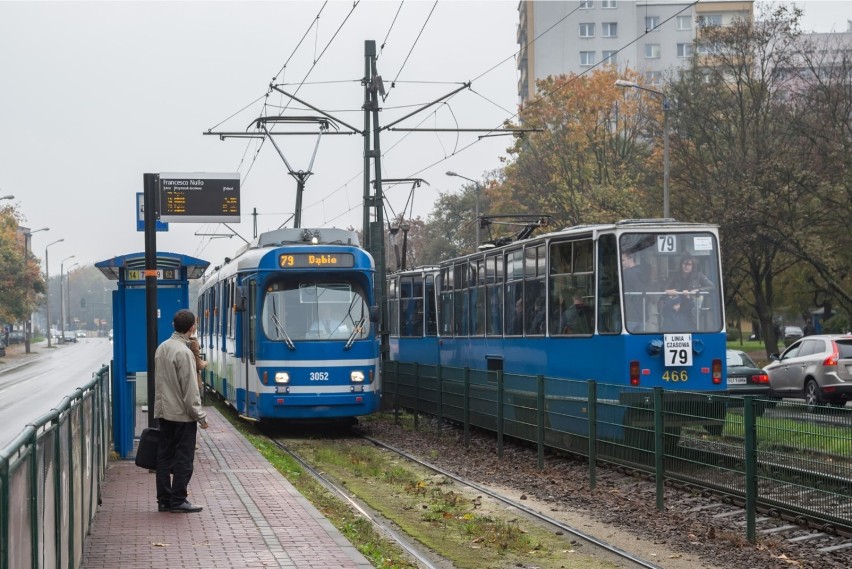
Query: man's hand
[204, 424]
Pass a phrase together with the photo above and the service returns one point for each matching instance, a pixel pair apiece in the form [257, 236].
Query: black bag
[149, 446]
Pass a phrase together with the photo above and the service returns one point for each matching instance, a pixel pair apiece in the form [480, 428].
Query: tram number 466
[677, 349]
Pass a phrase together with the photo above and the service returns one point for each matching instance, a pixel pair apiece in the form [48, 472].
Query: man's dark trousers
[174, 461]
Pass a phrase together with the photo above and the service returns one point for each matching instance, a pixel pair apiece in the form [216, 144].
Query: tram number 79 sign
[677, 349]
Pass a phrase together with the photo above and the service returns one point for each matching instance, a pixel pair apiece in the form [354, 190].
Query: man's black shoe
[163, 508]
[185, 508]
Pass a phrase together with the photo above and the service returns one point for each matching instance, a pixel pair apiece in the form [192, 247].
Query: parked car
[69, 336]
[792, 333]
[745, 378]
[16, 337]
[816, 368]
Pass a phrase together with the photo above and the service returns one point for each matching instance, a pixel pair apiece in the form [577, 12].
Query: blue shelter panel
[130, 354]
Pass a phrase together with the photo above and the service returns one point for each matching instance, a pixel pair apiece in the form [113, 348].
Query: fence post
[659, 448]
[467, 407]
[750, 433]
[395, 365]
[4, 513]
[33, 501]
[540, 421]
[439, 377]
[593, 434]
[416, 396]
[500, 402]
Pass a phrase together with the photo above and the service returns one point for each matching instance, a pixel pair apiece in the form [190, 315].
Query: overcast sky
[93, 95]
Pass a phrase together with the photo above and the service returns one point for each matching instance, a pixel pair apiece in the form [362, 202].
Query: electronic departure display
[315, 260]
[199, 197]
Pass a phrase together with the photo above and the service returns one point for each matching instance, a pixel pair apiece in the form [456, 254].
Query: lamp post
[478, 188]
[666, 105]
[47, 285]
[7, 197]
[62, 297]
[28, 322]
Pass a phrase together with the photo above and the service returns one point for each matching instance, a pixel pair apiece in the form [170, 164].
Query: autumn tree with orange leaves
[596, 158]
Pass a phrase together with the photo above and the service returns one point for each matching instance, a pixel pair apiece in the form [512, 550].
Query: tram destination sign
[199, 197]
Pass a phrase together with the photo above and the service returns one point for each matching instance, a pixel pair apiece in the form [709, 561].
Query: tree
[737, 157]
[21, 282]
[592, 160]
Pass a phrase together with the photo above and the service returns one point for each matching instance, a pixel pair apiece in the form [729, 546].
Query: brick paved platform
[253, 517]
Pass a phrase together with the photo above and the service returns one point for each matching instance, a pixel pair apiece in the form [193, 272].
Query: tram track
[572, 537]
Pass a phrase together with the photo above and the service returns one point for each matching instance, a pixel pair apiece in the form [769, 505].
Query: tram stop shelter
[130, 355]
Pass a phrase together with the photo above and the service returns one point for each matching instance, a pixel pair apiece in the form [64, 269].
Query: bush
[733, 335]
[837, 324]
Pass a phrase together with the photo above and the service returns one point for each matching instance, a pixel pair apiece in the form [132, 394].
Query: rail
[776, 457]
[50, 477]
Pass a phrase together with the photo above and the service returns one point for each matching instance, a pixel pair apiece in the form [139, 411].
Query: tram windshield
[295, 310]
[670, 282]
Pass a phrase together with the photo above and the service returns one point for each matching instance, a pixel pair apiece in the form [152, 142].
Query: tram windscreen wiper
[280, 328]
[355, 331]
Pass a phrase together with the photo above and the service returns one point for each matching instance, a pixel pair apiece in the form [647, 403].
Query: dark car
[69, 337]
[792, 333]
[817, 368]
[745, 378]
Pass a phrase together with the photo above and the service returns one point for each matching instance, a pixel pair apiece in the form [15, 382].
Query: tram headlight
[282, 377]
[357, 377]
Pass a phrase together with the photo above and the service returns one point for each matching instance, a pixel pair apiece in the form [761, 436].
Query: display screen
[315, 260]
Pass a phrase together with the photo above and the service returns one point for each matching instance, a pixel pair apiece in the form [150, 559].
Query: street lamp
[478, 188]
[62, 297]
[28, 322]
[666, 105]
[47, 286]
[7, 197]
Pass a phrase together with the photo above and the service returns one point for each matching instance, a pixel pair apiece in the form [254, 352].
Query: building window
[610, 57]
[651, 22]
[587, 58]
[710, 20]
[609, 29]
[708, 48]
[609, 4]
[684, 22]
[654, 77]
[684, 49]
[587, 5]
[652, 51]
[587, 30]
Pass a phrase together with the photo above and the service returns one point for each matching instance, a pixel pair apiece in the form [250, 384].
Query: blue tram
[289, 327]
[597, 302]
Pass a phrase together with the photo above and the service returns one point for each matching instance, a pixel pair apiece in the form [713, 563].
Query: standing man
[177, 407]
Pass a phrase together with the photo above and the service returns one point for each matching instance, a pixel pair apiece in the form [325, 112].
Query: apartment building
[651, 36]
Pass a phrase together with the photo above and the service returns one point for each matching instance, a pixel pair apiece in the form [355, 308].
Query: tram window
[393, 307]
[445, 313]
[609, 303]
[494, 291]
[571, 282]
[514, 300]
[477, 297]
[461, 306]
[411, 307]
[534, 291]
[429, 306]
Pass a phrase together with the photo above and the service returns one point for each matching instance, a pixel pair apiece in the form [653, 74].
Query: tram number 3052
[318, 376]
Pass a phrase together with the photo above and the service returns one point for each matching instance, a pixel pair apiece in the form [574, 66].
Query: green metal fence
[50, 477]
[779, 457]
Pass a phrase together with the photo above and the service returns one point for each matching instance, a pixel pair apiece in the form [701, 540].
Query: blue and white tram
[585, 303]
[288, 327]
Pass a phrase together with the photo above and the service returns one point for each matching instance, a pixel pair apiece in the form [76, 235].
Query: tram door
[249, 318]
